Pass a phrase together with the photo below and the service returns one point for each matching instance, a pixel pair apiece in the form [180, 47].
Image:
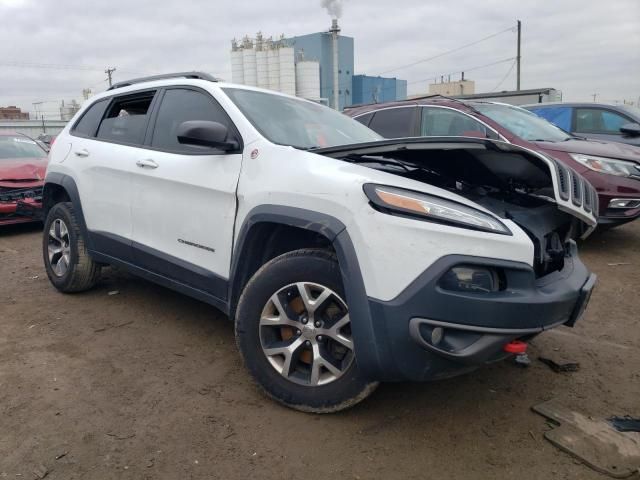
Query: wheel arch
[59, 187]
[248, 257]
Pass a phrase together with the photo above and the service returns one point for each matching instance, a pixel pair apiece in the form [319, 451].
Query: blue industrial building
[318, 47]
[352, 89]
[368, 89]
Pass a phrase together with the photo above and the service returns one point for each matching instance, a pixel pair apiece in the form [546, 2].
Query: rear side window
[395, 122]
[597, 120]
[440, 122]
[364, 119]
[180, 105]
[126, 119]
[88, 123]
[559, 116]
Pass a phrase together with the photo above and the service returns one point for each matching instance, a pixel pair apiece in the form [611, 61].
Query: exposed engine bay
[511, 183]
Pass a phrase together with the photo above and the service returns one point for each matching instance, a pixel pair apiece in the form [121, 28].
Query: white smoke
[334, 7]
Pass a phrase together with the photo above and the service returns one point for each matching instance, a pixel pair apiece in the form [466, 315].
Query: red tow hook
[516, 346]
[519, 349]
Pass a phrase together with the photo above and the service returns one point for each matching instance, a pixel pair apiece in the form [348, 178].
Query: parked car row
[344, 257]
[612, 168]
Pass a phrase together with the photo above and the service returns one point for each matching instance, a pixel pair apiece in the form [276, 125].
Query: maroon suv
[612, 168]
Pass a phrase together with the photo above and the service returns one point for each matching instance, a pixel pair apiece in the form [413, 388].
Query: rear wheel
[294, 332]
[69, 266]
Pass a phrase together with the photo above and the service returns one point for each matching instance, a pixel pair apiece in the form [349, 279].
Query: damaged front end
[466, 309]
[549, 201]
[19, 204]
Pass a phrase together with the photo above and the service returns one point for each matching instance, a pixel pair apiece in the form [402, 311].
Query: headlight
[610, 166]
[431, 208]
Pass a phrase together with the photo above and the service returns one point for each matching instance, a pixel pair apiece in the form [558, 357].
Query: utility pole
[109, 71]
[594, 96]
[518, 57]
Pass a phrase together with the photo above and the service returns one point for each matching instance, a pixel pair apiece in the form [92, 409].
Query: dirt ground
[147, 383]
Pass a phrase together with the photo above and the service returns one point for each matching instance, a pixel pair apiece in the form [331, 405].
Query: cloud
[578, 47]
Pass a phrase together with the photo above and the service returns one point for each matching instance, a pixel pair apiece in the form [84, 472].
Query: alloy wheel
[59, 248]
[305, 334]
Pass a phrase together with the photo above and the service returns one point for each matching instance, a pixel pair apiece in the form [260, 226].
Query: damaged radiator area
[21, 202]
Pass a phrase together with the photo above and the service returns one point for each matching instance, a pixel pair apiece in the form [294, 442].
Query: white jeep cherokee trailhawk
[344, 259]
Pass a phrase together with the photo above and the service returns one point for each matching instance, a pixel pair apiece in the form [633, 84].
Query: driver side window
[180, 105]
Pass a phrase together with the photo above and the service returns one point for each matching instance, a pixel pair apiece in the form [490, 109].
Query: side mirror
[631, 129]
[207, 134]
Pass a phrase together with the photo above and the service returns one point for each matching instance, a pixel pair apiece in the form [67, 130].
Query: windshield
[299, 123]
[19, 147]
[633, 111]
[523, 123]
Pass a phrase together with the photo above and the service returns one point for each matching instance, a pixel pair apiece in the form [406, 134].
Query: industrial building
[518, 97]
[449, 88]
[367, 89]
[318, 66]
[13, 113]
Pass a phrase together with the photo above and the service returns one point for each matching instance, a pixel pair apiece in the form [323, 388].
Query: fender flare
[367, 347]
[69, 185]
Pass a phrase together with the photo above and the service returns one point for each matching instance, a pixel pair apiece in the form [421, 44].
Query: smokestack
[334, 30]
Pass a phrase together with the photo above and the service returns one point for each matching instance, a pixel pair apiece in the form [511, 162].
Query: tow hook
[519, 349]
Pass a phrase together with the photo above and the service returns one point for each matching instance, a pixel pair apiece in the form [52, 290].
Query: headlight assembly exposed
[432, 208]
[611, 166]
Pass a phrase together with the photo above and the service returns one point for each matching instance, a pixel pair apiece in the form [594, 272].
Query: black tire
[82, 273]
[313, 266]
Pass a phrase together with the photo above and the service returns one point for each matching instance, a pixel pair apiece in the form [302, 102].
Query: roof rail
[196, 75]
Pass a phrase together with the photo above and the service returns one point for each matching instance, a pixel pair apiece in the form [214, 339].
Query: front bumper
[428, 332]
[609, 188]
[23, 211]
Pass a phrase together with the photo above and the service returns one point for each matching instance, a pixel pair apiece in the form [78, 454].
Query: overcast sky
[581, 47]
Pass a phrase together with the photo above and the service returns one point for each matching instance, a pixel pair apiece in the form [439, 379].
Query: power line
[478, 67]
[448, 51]
[50, 65]
[62, 66]
[505, 77]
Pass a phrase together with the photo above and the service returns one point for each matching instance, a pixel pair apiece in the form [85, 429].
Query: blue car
[595, 121]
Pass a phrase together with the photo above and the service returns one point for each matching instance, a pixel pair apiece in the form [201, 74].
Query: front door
[184, 197]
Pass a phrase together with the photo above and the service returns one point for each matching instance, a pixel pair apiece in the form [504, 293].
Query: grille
[563, 175]
[16, 194]
[576, 189]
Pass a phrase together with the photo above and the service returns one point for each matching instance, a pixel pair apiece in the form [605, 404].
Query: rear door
[106, 142]
[184, 197]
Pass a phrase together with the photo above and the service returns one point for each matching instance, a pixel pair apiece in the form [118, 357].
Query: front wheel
[294, 333]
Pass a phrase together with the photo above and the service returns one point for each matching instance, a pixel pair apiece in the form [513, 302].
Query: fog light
[470, 279]
[624, 203]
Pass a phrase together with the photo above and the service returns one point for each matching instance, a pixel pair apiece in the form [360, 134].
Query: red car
[22, 170]
[612, 168]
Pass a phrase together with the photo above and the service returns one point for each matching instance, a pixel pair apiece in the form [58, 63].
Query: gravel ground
[147, 383]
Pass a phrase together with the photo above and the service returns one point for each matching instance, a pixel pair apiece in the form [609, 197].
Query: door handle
[147, 163]
[82, 153]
